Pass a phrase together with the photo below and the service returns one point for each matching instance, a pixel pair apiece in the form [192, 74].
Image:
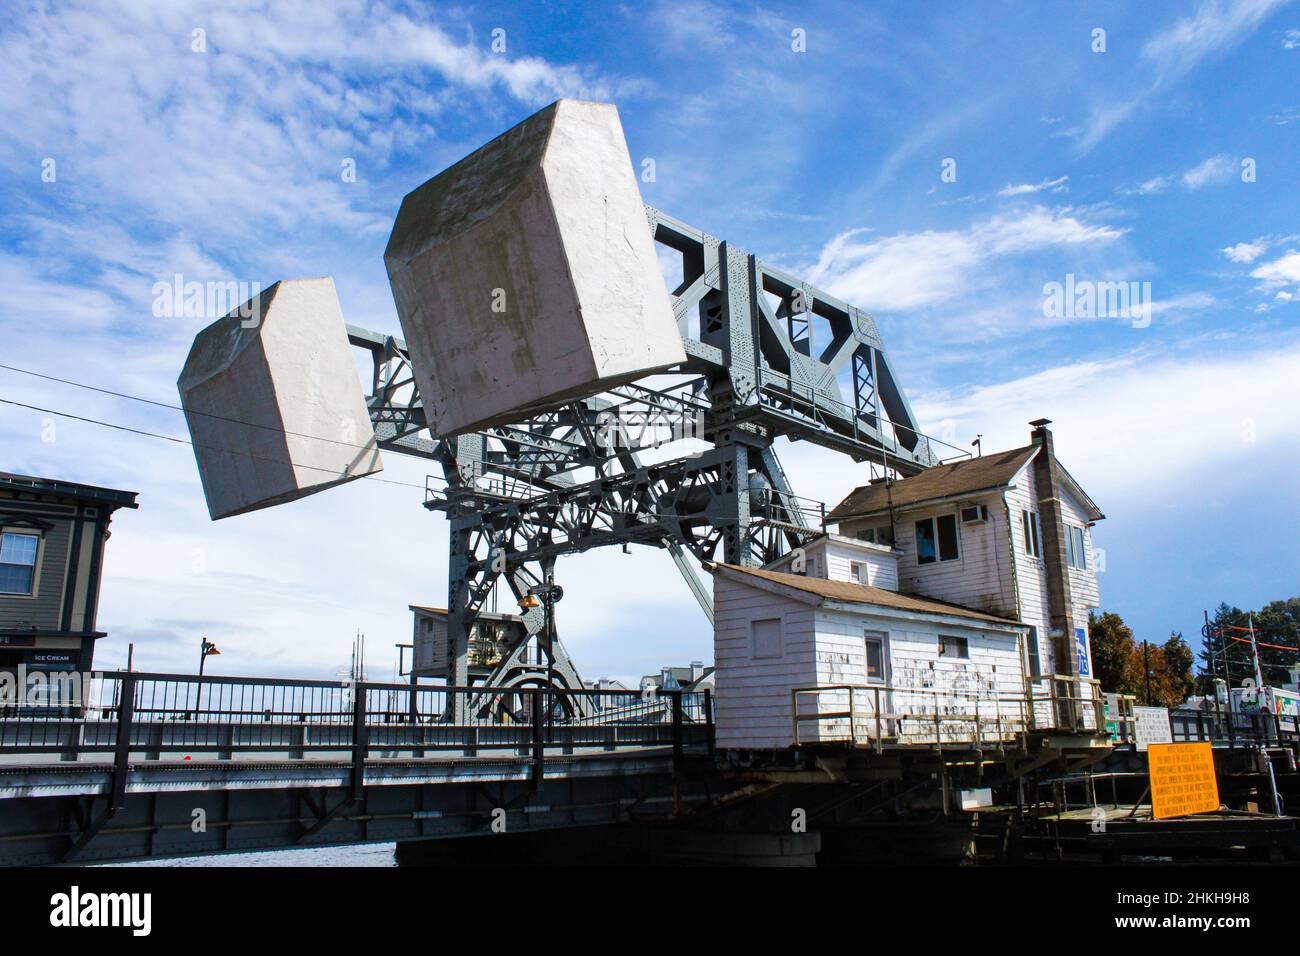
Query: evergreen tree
[1226, 651]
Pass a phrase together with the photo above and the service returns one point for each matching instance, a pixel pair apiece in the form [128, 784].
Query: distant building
[490, 640]
[606, 683]
[692, 679]
[52, 536]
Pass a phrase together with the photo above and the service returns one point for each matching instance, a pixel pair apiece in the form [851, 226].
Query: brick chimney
[1047, 484]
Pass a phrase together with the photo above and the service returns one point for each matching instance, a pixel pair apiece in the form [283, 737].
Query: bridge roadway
[148, 765]
[144, 765]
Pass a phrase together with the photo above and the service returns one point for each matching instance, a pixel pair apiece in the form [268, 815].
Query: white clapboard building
[951, 606]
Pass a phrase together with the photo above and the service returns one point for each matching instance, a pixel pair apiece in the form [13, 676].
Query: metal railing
[878, 715]
[141, 716]
[774, 507]
[1245, 728]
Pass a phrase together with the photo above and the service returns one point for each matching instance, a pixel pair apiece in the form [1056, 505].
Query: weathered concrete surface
[273, 401]
[526, 274]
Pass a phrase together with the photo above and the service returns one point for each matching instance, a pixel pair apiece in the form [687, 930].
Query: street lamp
[548, 594]
[206, 650]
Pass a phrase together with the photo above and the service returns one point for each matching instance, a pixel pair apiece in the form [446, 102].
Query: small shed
[492, 636]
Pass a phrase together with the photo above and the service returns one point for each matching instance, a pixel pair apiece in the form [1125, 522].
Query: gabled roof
[1072, 486]
[968, 477]
[863, 594]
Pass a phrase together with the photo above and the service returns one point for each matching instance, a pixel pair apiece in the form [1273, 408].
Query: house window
[766, 637]
[858, 571]
[1076, 551]
[1031, 649]
[1033, 537]
[954, 647]
[936, 539]
[17, 562]
[875, 664]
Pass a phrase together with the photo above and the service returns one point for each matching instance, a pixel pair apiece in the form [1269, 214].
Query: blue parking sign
[1081, 645]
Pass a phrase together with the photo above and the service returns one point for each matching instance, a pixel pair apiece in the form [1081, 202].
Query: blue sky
[1122, 164]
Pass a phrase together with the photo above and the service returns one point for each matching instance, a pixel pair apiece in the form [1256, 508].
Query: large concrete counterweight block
[273, 401]
[525, 275]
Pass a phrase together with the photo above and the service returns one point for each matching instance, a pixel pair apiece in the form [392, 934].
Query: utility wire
[186, 441]
[637, 513]
[178, 408]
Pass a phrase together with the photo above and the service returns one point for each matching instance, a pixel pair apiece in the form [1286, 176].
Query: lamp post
[206, 650]
[549, 594]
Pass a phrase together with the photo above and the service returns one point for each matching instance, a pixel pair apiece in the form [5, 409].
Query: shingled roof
[967, 477]
[864, 594]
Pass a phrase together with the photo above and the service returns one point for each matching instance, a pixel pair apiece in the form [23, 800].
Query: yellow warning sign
[1182, 779]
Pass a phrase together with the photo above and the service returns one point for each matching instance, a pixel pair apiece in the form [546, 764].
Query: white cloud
[1191, 302]
[1246, 252]
[1055, 185]
[1122, 425]
[1216, 169]
[1291, 40]
[1155, 184]
[1216, 26]
[1284, 270]
[910, 270]
[244, 143]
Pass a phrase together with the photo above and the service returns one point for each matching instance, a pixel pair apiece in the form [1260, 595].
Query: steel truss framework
[571, 479]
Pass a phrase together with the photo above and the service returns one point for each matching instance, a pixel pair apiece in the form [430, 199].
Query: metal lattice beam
[572, 479]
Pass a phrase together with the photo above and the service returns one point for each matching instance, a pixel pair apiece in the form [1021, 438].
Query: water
[361, 854]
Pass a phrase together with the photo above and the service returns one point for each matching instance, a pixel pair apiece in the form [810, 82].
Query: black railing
[140, 716]
[1245, 728]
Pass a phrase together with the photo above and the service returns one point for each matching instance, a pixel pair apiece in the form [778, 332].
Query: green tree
[1226, 651]
[1172, 664]
[1116, 660]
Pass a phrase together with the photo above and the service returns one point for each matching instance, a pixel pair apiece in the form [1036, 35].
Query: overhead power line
[185, 441]
[178, 408]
